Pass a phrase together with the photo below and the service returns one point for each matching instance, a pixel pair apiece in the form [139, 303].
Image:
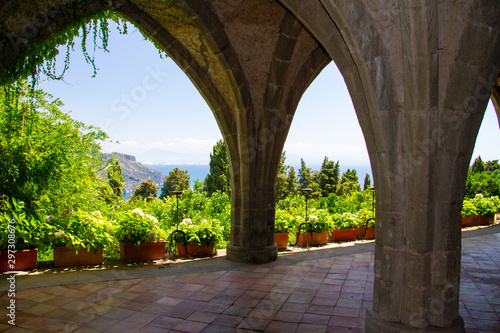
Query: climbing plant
[93, 34]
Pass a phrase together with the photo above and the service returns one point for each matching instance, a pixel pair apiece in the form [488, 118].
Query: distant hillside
[134, 172]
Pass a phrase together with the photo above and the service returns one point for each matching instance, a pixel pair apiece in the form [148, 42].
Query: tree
[329, 177]
[292, 185]
[348, 182]
[281, 180]
[47, 159]
[115, 177]
[305, 175]
[367, 183]
[308, 178]
[492, 165]
[478, 165]
[219, 178]
[177, 180]
[147, 189]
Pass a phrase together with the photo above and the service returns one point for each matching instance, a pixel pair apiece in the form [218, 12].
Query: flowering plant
[204, 232]
[363, 216]
[480, 205]
[283, 222]
[19, 230]
[344, 221]
[81, 230]
[320, 221]
[136, 227]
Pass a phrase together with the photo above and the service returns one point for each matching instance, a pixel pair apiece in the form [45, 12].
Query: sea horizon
[200, 171]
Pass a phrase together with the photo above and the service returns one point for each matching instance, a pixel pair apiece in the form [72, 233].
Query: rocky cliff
[134, 172]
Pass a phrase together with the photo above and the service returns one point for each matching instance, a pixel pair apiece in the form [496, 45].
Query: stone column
[420, 75]
[449, 70]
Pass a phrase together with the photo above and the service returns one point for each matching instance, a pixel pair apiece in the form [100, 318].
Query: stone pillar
[495, 97]
[420, 177]
[420, 75]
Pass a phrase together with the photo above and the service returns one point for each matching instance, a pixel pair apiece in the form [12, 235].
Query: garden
[60, 200]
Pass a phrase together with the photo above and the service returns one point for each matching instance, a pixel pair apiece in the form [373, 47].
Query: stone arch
[234, 68]
[400, 64]
[495, 97]
[407, 65]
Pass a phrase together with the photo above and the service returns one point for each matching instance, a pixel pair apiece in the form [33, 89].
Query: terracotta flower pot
[316, 239]
[366, 233]
[345, 235]
[68, 257]
[468, 221]
[485, 219]
[143, 252]
[281, 240]
[195, 249]
[23, 260]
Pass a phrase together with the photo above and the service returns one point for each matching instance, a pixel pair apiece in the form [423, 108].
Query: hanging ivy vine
[41, 57]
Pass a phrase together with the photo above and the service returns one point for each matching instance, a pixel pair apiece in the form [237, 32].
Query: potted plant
[282, 223]
[486, 209]
[199, 240]
[345, 227]
[20, 237]
[140, 236]
[80, 238]
[469, 213]
[317, 230]
[366, 223]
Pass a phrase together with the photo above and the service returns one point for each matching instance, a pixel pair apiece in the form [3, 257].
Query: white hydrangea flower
[138, 211]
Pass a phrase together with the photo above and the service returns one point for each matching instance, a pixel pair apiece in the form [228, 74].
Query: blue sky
[151, 107]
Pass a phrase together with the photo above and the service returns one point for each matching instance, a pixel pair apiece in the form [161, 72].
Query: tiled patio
[323, 290]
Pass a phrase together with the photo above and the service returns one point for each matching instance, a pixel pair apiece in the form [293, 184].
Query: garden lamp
[177, 194]
[373, 200]
[306, 190]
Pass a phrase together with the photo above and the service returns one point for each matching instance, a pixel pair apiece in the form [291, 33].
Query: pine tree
[478, 165]
[292, 184]
[367, 183]
[115, 177]
[147, 189]
[177, 180]
[329, 177]
[348, 182]
[305, 175]
[219, 178]
[281, 180]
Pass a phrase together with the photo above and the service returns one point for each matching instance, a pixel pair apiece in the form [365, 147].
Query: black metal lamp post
[306, 191]
[373, 200]
[177, 194]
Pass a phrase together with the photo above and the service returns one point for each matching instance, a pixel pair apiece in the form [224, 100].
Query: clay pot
[68, 257]
[195, 249]
[143, 252]
[485, 219]
[22, 260]
[345, 235]
[316, 239]
[366, 233]
[468, 221]
[281, 240]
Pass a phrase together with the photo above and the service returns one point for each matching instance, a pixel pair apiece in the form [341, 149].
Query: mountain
[134, 172]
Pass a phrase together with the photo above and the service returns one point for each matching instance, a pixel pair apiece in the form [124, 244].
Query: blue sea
[200, 171]
[195, 171]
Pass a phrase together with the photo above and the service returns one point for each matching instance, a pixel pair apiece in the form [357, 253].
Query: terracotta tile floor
[323, 290]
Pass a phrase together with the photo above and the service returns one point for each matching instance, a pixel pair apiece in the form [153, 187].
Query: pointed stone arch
[419, 73]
